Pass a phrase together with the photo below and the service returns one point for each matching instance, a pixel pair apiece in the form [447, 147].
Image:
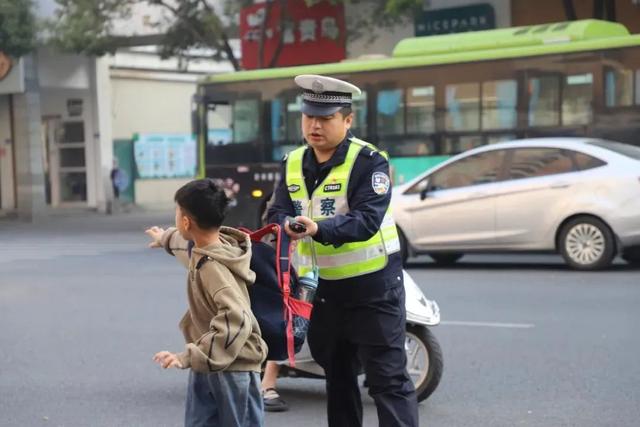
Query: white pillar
[31, 201]
[103, 158]
[7, 186]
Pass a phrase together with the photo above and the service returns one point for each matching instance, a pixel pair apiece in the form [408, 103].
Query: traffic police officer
[338, 187]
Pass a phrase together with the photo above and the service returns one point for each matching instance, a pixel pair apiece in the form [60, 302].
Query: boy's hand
[167, 360]
[156, 235]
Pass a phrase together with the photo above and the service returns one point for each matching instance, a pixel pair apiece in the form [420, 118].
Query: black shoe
[273, 402]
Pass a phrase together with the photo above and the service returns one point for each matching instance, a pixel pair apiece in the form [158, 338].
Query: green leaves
[17, 27]
[86, 26]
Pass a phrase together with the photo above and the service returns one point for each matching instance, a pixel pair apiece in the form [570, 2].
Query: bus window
[494, 139]
[544, 101]
[458, 144]
[618, 88]
[390, 112]
[463, 107]
[421, 107]
[246, 120]
[359, 107]
[219, 126]
[294, 119]
[286, 132]
[278, 120]
[577, 94]
[637, 87]
[499, 104]
[236, 122]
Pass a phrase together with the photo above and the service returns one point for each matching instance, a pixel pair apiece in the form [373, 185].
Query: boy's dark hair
[204, 201]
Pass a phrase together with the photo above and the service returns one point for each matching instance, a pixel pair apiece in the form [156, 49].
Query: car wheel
[404, 247]
[587, 243]
[446, 259]
[632, 255]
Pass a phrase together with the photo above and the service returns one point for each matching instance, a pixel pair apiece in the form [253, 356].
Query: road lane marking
[488, 324]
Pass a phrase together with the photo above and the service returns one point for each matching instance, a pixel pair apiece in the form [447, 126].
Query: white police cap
[323, 96]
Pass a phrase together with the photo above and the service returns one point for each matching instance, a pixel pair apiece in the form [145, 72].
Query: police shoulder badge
[293, 188]
[380, 183]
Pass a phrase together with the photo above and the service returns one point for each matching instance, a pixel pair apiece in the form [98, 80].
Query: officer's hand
[312, 228]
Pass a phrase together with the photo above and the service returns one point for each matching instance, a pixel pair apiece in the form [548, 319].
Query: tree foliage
[17, 27]
[87, 26]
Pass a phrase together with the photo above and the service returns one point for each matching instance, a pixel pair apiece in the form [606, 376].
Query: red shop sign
[316, 34]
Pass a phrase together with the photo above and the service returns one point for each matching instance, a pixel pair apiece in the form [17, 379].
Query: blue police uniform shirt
[366, 207]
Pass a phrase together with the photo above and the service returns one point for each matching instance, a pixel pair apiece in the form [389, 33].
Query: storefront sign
[165, 155]
[5, 65]
[11, 75]
[455, 20]
[315, 34]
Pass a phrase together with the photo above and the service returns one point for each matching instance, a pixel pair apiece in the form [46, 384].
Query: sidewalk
[86, 221]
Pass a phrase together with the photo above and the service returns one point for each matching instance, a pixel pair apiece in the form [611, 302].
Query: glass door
[64, 161]
[72, 170]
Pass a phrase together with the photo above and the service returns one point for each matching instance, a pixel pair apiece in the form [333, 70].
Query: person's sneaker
[273, 402]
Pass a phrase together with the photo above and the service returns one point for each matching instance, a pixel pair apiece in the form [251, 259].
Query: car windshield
[618, 147]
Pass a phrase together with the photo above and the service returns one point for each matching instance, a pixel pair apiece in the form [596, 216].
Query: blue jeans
[225, 399]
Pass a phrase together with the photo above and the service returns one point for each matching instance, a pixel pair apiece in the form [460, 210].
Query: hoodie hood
[233, 251]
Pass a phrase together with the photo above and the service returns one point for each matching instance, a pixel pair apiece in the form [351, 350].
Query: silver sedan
[576, 196]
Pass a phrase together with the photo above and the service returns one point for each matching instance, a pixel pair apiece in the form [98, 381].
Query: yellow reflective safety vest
[328, 200]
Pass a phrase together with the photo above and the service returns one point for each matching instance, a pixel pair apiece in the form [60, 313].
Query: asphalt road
[84, 306]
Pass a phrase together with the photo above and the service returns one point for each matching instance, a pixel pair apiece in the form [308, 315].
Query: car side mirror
[424, 189]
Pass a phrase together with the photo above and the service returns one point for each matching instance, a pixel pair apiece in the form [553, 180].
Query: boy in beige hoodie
[224, 349]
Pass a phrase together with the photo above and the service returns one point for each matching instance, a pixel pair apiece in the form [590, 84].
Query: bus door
[234, 154]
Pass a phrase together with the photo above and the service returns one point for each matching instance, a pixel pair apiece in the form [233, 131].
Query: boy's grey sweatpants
[226, 399]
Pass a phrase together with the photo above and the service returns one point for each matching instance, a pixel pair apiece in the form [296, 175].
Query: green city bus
[434, 97]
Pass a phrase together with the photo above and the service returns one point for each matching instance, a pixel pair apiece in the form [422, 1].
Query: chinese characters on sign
[5, 65]
[314, 34]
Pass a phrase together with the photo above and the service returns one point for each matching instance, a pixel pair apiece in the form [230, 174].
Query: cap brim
[319, 110]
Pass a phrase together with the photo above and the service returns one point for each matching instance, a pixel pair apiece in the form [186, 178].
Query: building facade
[61, 114]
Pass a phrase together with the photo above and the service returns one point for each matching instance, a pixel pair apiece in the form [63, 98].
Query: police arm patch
[380, 183]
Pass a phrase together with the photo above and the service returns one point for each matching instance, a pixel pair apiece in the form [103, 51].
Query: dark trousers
[363, 333]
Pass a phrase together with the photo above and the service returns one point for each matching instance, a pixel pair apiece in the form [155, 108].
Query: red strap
[284, 280]
[289, 311]
[267, 229]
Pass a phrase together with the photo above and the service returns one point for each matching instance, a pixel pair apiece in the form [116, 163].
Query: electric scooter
[424, 355]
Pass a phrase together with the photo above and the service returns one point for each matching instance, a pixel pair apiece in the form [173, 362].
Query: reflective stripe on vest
[328, 200]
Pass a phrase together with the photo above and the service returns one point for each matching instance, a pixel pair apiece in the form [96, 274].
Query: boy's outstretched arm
[171, 241]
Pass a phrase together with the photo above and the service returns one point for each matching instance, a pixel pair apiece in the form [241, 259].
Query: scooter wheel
[424, 360]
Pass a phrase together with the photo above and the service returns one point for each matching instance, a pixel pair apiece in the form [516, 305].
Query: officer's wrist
[317, 235]
[314, 229]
